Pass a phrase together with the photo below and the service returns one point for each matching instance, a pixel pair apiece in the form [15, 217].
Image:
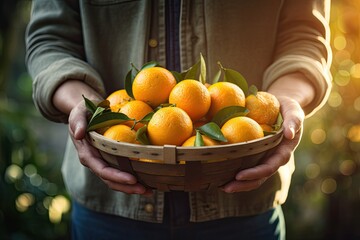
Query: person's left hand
[253, 178]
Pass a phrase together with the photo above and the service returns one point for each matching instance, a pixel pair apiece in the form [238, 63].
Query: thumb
[78, 123]
[293, 118]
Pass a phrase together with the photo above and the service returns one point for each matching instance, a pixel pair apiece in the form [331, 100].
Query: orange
[192, 96]
[169, 125]
[135, 109]
[263, 108]
[153, 85]
[207, 141]
[241, 129]
[266, 127]
[225, 94]
[117, 99]
[121, 133]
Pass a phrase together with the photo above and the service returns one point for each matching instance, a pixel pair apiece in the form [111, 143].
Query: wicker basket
[184, 168]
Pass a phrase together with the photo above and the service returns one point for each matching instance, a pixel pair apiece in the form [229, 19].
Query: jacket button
[149, 208]
[153, 42]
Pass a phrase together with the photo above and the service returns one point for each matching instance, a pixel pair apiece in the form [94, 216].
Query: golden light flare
[318, 136]
[357, 104]
[13, 173]
[355, 70]
[342, 78]
[354, 133]
[340, 43]
[58, 206]
[335, 99]
[24, 201]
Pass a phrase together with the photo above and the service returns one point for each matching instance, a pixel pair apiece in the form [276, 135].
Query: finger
[91, 158]
[130, 189]
[293, 116]
[243, 186]
[78, 121]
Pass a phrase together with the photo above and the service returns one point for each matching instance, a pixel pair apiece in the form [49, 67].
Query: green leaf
[199, 141]
[252, 90]
[104, 104]
[236, 78]
[150, 64]
[202, 76]
[193, 71]
[129, 79]
[134, 68]
[216, 78]
[213, 131]
[89, 105]
[267, 133]
[147, 117]
[104, 119]
[98, 111]
[178, 76]
[141, 135]
[227, 113]
[279, 121]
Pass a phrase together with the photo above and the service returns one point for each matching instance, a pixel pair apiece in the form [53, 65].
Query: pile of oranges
[178, 109]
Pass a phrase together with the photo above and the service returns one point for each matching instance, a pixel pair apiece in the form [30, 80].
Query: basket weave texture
[184, 168]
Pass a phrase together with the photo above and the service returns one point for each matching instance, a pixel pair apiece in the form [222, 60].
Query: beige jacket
[95, 40]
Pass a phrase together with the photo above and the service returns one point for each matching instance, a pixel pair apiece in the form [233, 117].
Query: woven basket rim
[99, 136]
[172, 153]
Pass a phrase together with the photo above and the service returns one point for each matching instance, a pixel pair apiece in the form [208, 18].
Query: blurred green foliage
[33, 200]
[324, 198]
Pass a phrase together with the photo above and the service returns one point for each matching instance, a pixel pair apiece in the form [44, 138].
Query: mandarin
[169, 125]
[135, 109]
[225, 94]
[241, 129]
[192, 96]
[121, 133]
[117, 99]
[153, 85]
[263, 107]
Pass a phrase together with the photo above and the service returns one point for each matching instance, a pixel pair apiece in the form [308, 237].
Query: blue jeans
[87, 224]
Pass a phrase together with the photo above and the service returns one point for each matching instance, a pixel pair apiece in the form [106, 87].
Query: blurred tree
[33, 201]
[324, 201]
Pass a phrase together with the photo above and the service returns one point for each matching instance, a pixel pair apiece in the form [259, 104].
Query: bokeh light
[347, 167]
[58, 206]
[13, 173]
[24, 201]
[354, 133]
[318, 136]
[328, 186]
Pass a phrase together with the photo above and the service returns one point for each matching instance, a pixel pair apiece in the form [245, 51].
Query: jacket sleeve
[303, 46]
[55, 53]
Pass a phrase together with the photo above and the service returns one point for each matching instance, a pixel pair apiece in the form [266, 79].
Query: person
[84, 47]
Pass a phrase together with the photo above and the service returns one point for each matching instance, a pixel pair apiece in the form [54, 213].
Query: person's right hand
[90, 157]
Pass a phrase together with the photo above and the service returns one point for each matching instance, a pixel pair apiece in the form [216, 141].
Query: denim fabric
[88, 225]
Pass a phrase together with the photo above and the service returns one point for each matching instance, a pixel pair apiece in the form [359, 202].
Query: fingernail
[292, 130]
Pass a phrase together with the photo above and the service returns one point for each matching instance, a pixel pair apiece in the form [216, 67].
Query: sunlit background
[324, 199]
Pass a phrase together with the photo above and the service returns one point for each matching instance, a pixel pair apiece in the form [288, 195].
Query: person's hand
[90, 157]
[253, 178]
